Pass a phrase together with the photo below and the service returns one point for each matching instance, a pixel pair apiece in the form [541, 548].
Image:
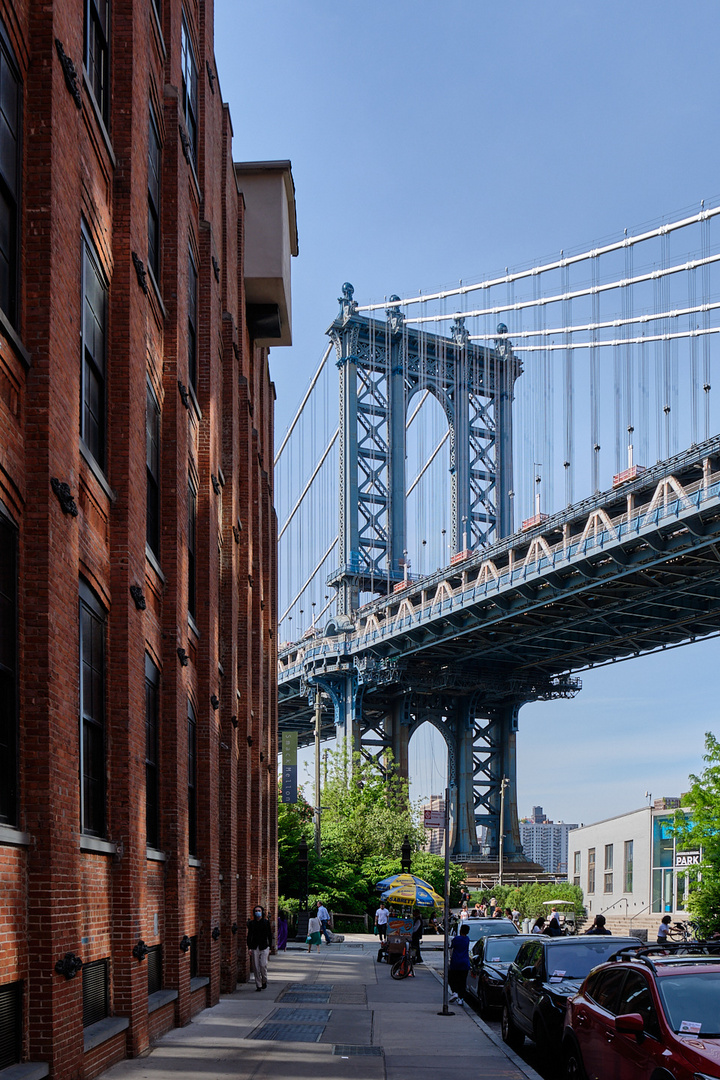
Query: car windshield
[692, 1002]
[501, 950]
[575, 959]
[490, 928]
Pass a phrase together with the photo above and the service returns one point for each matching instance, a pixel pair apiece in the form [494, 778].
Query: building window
[10, 158]
[95, 992]
[628, 874]
[192, 321]
[97, 53]
[8, 674]
[576, 868]
[192, 518]
[152, 461]
[591, 870]
[10, 1024]
[92, 712]
[92, 415]
[189, 89]
[154, 196]
[608, 883]
[154, 963]
[192, 780]
[152, 779]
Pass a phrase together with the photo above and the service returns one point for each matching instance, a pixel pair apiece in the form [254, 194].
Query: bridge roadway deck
[629, 571]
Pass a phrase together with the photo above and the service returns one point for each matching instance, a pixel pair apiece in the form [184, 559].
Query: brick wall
[59, 893]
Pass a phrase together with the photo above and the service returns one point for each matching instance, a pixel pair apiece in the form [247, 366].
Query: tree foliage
[700, 828]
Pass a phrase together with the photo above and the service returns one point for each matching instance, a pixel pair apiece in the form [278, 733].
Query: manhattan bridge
[489, 488]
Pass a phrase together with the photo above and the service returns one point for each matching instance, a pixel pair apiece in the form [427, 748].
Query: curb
[517, 1061]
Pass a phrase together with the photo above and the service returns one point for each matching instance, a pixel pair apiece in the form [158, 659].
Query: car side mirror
[528, 972]
[629, 1024]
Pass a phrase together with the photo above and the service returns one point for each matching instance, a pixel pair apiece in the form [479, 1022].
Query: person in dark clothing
[459, 964]
[259, 942]
[417, 936]
[553, 929]
[598, 927]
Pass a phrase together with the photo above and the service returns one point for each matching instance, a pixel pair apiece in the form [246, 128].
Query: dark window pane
[194, 957]
[152, 458]
[10, 105]
[152, 793]
[92, 416]
[192, 322]
[92, 711]
[10, 1024]
[95, 992]
[192, 777]
[97, 52]
[8, 674]
[189, 88]
[154, 966]
[153, 197]
[192, 511]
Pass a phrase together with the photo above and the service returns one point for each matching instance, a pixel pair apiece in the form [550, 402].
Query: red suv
[649, 1014]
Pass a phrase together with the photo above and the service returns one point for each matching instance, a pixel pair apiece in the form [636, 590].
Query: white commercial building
[546, 842]
[631, 866]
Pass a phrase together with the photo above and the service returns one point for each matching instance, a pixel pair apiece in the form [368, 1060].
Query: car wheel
[574, 1068]
[480, 996]
[511, 1034]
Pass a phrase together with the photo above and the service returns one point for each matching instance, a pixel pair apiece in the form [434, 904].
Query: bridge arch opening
[428, 484]
[427, 764]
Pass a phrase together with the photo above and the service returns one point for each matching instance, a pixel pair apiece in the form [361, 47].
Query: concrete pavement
[333, 1016]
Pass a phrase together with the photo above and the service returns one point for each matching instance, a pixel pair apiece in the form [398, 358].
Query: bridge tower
[382, 366]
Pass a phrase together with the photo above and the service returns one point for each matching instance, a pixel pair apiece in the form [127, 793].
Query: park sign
[289, 766]
[434, 819]
[683, 859]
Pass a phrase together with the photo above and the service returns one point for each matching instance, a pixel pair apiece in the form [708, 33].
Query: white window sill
[97, 846]
[199, 982]
[153, 855]
[11, 837]
[192, 861]
[26, 1070]
[104, 1030]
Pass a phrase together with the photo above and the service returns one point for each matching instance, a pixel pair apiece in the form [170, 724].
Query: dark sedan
[490, 959]
[545, 973]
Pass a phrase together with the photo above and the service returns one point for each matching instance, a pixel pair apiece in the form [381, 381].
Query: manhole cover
[358, 1051]
[299, 1016]
[289, 1032]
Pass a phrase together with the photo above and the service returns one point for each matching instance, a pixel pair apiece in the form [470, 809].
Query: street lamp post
[303, 866]
[501, 839]
[405, 855]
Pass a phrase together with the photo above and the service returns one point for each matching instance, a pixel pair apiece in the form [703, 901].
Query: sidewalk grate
[358, 1051]
[306, 997]
[299, 1016]
[324, 987]
[289, 1032]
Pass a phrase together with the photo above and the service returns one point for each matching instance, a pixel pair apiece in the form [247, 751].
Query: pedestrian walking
[324, 916]
[314, 933]
[459, 964]
[664, 930]
[417, 937]
[259, 942]
[381, 920]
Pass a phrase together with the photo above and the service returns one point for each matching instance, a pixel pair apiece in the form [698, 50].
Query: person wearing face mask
[259, 941]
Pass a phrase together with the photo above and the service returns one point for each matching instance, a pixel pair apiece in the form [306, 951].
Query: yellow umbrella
[409, 889]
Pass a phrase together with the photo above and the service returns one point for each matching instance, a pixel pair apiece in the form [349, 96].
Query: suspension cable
[307, 487]
[292, 604]
[297, 415]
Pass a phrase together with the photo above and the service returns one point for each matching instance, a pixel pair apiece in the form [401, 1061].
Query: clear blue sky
[437, 141]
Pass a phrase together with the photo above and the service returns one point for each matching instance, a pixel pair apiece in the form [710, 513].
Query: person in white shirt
[324, 916]
[381, 920]
[464, 913]
[314, 934]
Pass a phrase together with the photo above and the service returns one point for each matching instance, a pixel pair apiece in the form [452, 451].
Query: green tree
[700, 828]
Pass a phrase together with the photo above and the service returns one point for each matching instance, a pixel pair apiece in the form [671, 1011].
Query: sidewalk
[333, 1016]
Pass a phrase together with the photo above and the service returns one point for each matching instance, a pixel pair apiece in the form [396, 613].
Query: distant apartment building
[434, 838]
[545, 842]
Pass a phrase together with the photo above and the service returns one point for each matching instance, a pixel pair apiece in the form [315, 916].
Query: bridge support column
[397, 726]
[465, 831]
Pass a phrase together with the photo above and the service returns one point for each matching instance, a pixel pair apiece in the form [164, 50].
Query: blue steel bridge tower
[379, 703]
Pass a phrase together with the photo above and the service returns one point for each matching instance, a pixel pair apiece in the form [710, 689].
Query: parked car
[482, 928]
[545, 973]
[654, 1013]
[490, 958]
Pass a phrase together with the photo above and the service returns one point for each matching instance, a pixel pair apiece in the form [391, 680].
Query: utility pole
[501, 839]
[445, 1011]
[318, 714]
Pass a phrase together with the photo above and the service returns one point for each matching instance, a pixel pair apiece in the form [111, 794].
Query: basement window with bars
[10, 1024]
[8, 674]
[194, 957]
[96, 992]
[154, 971]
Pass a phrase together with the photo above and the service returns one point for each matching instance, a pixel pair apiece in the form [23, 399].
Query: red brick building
[143, 277]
